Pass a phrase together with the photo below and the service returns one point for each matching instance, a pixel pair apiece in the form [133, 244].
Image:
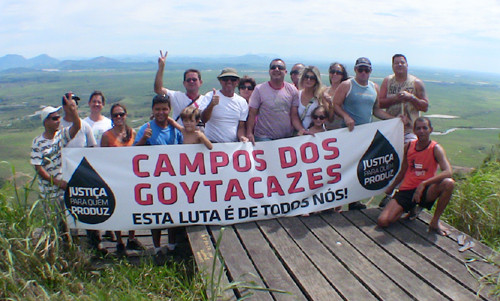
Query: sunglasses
[338, 72]
[229, 78]
[294, 72]
[311, 77]
[119, 115]
[250, 88]
[191, 79]
[55, 118]
[364, 69]
[280, 67]
[322, 117]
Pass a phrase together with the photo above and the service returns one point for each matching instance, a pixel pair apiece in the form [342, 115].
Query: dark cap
[75, 98]
[363, 61]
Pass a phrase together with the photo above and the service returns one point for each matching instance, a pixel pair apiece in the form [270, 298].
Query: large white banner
[144, 187]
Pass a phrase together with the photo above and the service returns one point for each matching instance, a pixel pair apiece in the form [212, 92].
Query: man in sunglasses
[225, 112]
[179, 100]
[295, 74]
[356, 100]
[46, 152]
[275, 103]
[403, 94]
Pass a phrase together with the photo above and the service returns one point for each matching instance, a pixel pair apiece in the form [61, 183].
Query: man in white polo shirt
[179, 100]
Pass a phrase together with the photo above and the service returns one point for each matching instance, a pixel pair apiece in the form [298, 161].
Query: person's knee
[448, 184]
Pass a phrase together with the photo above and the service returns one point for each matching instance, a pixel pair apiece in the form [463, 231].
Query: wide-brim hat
[226, 72]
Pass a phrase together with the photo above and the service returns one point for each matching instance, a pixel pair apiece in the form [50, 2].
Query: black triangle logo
[88, 198]
[379, 165]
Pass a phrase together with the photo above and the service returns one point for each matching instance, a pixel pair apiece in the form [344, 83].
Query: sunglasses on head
[118, 114]
[229, 78]
[191, 79]
[338, 72]
[250, 88]
[55, 118]
[311, 77]
[364, 69]
[280, 67]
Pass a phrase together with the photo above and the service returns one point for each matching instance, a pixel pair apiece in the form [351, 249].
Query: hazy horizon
[440, 34]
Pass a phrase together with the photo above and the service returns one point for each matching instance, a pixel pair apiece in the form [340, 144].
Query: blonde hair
[190, 113]
[318, 86]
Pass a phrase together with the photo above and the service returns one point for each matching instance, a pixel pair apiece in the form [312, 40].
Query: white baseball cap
[47, 111]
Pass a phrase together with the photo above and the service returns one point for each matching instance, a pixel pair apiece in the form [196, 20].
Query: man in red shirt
[421, 185]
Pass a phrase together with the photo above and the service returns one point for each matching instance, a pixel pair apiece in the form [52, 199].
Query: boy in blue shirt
[160, 132]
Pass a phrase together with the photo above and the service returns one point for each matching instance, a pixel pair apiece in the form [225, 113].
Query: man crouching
[421, 185]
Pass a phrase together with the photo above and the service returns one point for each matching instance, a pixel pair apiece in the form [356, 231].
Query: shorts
[405, 199]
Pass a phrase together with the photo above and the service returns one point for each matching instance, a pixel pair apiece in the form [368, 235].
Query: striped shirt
[47, 153]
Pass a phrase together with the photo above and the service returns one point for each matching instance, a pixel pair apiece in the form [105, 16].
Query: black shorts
[405, 199]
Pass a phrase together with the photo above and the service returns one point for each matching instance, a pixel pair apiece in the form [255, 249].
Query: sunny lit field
[474, 100]
[73, 274]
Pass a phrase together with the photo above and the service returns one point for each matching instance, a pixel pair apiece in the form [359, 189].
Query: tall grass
[475, 206]
[37, 264]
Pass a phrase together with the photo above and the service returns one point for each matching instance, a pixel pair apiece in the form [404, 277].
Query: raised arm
[73, 115]
[158, 86]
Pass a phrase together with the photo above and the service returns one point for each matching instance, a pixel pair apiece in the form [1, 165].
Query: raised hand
[215, 98]
[162, 59]
[148, 132]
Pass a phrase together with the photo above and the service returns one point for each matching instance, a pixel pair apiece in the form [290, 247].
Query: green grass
[468, 147]
[475, 205]
[36, 263]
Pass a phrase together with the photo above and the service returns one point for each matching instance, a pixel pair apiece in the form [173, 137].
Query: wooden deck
[332, 256]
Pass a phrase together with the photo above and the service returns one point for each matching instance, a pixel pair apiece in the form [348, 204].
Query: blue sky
[437, 33]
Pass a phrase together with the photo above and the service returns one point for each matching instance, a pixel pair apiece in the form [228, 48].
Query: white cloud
[315, 28]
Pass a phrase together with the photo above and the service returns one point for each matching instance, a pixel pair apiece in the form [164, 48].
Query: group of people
[271, 110]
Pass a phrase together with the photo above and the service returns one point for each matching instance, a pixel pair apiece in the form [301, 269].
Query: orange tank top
[115, 142]
[421, 165]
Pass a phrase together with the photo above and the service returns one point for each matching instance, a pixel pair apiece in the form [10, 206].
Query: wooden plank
[204, 255]
[264, 258]
[402, 278]
[480, 250]
[326, 260]
[239, 265]
[314, 285]
[439, 269]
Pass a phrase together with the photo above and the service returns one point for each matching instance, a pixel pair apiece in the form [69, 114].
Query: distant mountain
[13, 61]
[43, 61]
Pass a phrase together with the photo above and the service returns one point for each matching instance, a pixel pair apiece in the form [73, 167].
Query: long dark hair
[128, 130]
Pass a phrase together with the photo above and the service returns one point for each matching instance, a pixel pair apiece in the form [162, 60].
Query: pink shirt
[274, 107]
